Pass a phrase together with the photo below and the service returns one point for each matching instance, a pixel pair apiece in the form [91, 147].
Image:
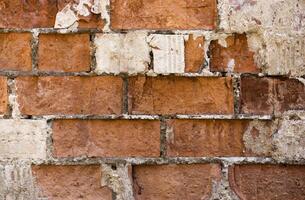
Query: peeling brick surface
[15, 51]
[64, 52]
[3, 95]
[180, 95]
[73, 138]
[271, 95]
[70, 182]
[236, 56]
[175, 181]
[253, 182]
[172, 14]
[69, 95]
[194, 53]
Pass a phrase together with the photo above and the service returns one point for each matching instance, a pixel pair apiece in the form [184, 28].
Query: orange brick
[255, 182]
[170, 14]
[236, 55]
[64, 52]
[27, 14]
[69, 95]
[194, 53]
[180, 95]
[3, 95]
[15, 51]
[70, 182]
[164, 182]
[106, 138]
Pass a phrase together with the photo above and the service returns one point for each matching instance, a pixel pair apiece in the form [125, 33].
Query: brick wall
[147, 99]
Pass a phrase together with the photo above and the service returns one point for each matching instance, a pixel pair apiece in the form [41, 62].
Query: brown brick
[271, 95]
[3, 95]
[70, 182]
[69, 95]
[194, 53]
[170, 14]
[236, 55]
[27, 14]
[64, 52]
[185, 182]
[206, 138]
[106, 138]
[256, 182]
[180, 95]
[15, 51]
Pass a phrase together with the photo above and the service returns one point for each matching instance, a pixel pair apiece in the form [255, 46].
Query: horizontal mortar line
[149, 117]
[167, 160]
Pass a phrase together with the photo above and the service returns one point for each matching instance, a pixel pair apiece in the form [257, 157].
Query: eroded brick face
[271, 95]
[106, 138]
[172, 14]
[235, 57]
[64, 52]
[27, 14]
[180, 95]
[175, 181]
[69, 95]
[207, 138]
[194, 53]
[70, 182]
[281, 182]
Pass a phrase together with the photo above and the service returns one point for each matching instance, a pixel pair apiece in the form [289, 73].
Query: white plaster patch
[65, 18]
[168, 53]
[116, 53]
[23, 139]
[16, 181]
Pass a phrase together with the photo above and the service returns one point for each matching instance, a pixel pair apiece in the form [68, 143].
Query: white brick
[116, 53]
[23, 139]
[168, 53]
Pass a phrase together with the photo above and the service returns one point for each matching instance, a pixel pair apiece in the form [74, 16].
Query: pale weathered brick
[23, 139]
[122, 53]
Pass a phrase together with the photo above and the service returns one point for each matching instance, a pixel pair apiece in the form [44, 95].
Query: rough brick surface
[180, 95]
[173, 14]
[271, 95]
[70, 182]
[27, 14]
[207, 138]
[69, 95]
[15, 51]
[235, 57]
[194, 53]
[64, 52]
[175, 181]
[281, 182]
[106, 138]
[3, 95]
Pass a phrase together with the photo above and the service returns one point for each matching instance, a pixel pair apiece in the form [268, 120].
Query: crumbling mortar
[92, 53]
[163, 137]
[236, 92]
[13, 105]
[34, 49]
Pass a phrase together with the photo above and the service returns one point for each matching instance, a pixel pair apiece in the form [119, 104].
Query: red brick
[15, 51]
[204, 138]
[237, 52]
[64, 52]
[69, 95]
[106, 138]
[180, 95]
[187, 182]
[194, 53]
[27, 14]
[256, 182]
[70, 182]
[271, 95]
[3, 95]
[170, 14]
